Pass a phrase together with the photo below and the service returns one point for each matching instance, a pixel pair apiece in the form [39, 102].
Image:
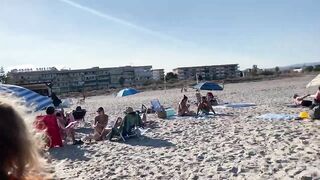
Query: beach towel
[273, 116]
[240, 105]
[235, 105]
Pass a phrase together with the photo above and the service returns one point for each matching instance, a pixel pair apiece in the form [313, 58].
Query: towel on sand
[273, 116]
[235, 105]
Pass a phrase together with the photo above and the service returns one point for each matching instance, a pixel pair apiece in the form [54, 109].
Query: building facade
[90, 79]
[158, 74]
[208, 73]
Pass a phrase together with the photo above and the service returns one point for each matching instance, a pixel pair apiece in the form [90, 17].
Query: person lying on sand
[183, 109]
[301, 100]
[205, 107]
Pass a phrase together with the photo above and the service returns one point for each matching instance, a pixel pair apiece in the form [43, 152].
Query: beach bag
[315, 114]
[162, 114]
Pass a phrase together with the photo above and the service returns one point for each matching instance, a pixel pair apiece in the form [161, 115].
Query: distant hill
[293, 66]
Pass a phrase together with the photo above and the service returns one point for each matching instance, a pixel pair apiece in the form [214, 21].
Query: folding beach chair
[127, 128]
[156, 105]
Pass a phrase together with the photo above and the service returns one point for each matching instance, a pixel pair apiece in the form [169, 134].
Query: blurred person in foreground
[20, 143]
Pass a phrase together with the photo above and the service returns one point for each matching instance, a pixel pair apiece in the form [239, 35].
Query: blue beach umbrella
[31, 98]
[209, 86]
[127, 92]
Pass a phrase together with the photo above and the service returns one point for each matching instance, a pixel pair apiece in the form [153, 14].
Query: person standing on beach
[100, 123]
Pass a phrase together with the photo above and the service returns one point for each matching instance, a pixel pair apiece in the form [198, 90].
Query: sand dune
[230, 146]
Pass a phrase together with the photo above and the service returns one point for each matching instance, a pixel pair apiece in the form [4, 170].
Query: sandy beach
[232, 145]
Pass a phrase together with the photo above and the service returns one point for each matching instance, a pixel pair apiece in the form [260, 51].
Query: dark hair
[185, 97]
[58, 114]
[78, 108]
[50, 110]
[319, 88]
[295, 96]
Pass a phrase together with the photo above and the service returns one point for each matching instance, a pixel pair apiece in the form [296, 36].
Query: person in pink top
[317, 96]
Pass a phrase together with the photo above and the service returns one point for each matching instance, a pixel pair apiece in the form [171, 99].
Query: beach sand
[232, 145]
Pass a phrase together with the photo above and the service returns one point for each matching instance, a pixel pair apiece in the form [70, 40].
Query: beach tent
[31, 98]
[314, 82]
[127, 92]
[209, 86]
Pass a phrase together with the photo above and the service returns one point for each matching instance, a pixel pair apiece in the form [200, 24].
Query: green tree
[308, 68]
[170, 76]
[3, 75]
[277, 69]
[317, 68]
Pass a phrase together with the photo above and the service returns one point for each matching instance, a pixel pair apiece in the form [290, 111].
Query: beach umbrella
[30, 98]
[209, 86]
[127, 92]
[314, 82]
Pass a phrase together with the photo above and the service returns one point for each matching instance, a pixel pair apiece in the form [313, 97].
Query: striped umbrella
[31, 98]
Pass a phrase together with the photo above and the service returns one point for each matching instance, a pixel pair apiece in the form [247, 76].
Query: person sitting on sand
[66, 125]
[183, 109]
[51, 124]
[211, 99]
[301, 100]
[20, 149]
[127, 126]
[100, 123]
[205, 107]
[317, 97]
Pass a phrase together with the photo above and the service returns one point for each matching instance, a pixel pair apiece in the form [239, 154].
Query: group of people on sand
[313, 105]
[60, 126]
[131, 120]
[204, 105]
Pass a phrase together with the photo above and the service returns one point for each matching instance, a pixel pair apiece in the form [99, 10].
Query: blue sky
[162, 33]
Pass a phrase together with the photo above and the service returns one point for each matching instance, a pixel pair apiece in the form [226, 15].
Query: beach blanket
[235, 105]
[273, 116]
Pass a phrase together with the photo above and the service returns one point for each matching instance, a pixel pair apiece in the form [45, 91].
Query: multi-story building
[158, 74]
[207, 72]
[91, 79]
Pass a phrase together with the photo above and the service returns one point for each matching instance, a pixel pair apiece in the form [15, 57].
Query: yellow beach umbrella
[314, 82]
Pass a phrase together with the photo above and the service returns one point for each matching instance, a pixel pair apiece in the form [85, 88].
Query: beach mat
[273, 116]
[235, 105]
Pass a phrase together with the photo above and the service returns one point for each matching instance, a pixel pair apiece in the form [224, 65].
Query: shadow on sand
[70, 152]
[84, 130]
[149, 142]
